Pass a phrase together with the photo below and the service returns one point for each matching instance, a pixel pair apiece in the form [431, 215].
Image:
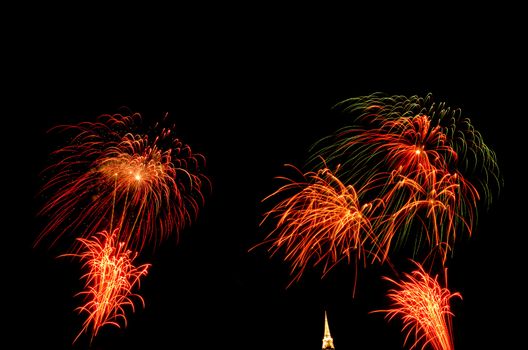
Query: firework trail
[423, 306]
[109, 176]
[110, 278]
[320, 221]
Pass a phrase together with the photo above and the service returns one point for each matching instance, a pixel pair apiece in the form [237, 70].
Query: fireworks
[420, 168]
[431, 208]
[141, 188]
[411, 171]
[111, 177]
[405, 171]
[423, 306]
[322, 221]
[110, 279]
[408, 171]
[413, 135]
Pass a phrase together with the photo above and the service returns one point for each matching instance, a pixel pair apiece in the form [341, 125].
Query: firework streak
[423, 306]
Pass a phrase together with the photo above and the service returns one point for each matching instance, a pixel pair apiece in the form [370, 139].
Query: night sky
[252, 102]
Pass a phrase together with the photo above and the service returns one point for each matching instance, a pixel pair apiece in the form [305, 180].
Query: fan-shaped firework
[110, 279]
[423, 305]
[322, 221]
[109, 176]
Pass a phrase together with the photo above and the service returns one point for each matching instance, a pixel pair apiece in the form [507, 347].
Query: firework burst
[410, 134]
[110, 279]
[424, 307]
[110, 176]
[320, 221]
[434, 163]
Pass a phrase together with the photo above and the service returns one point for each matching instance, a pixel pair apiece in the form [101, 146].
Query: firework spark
[322, 221]
[423, 305]
[109, 176]
[110, 279]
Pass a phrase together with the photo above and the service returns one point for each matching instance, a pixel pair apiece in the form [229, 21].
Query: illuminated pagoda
[328, 342]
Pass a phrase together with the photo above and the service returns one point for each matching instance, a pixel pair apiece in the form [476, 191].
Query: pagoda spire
[328, 342]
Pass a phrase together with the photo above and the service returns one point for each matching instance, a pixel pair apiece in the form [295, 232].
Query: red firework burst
[109, 176]
[411, 144]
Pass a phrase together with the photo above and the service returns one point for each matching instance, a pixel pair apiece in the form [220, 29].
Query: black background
[251, 97]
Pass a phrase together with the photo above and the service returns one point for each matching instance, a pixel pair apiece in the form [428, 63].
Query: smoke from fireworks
[423, 306]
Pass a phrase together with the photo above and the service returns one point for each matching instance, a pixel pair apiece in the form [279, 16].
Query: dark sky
[251, 102]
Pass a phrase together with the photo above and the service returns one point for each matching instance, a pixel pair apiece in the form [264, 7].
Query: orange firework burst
[110, 278]
[109, 176]
[322, 221]
[423, 306]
